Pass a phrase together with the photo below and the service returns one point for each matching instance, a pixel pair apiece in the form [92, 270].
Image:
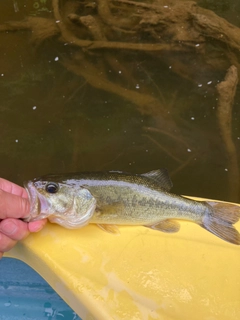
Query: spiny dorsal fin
[160, 176]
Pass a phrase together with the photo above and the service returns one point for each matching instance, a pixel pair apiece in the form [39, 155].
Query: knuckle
[14, 229]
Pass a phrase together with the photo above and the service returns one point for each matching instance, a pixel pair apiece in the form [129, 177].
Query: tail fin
[220, 221]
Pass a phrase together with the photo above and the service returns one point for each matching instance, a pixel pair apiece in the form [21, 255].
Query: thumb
[13, 206]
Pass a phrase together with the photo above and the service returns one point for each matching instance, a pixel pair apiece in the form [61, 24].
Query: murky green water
[52, 120]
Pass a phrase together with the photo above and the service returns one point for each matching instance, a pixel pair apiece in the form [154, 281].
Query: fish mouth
[38, 203]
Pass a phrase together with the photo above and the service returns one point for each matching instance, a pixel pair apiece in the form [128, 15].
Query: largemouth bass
[117, 198]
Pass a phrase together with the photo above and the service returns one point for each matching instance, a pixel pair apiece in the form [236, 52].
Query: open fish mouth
[38, 204]
[77, 213]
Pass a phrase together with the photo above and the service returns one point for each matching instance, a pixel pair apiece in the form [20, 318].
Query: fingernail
[9, 228]
[36, 226]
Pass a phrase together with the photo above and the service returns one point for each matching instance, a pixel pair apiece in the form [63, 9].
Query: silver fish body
[117, 198]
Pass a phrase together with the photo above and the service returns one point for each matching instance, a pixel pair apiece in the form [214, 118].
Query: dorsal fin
[160, 176]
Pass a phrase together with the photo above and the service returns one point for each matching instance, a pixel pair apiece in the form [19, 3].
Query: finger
[6, 243]
[13, 206]
[18, 230]
[36, 226]
[14, 229]
[13, 188]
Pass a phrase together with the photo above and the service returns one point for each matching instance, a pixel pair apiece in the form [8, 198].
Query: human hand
[14, 205]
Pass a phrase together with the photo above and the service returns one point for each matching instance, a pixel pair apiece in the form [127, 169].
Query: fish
[114, 198]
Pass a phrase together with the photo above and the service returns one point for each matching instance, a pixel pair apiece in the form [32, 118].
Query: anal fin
[169, 226]
[110, 228]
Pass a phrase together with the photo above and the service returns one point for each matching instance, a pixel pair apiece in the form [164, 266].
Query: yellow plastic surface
[139, 274]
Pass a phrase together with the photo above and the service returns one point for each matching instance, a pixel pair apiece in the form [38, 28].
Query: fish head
[64, 204]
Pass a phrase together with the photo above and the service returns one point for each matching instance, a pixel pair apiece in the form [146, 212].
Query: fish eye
[52, 187]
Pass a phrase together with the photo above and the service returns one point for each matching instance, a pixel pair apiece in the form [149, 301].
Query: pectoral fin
[110, 228]
[169, 226]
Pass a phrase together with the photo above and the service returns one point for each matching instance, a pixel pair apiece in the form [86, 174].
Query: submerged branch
[166, 133]
[146, 104]
[183, 165]
[41, 28]
[226, 91]
[165, 150]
